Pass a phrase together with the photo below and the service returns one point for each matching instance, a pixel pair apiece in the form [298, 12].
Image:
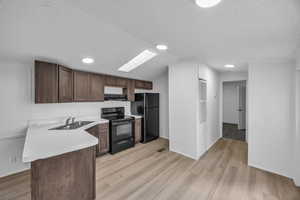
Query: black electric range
[121, 129]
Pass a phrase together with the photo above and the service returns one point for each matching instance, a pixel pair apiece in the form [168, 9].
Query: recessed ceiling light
[229, 66]
[207, 3]
[138, 60]
[88, 60]
[162, 47]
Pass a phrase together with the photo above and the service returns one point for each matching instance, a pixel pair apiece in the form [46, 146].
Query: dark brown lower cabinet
[138, 130]
[101, 132]
[70, 176]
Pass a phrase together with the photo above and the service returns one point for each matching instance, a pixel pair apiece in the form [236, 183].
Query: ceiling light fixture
[88, 60]
[162, 47]
[229, 66]
[207, 3]
[138, 60]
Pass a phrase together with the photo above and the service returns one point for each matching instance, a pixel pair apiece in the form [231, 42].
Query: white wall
[160, 85]
[233, 76]
[271, 117]
[183, 95]
[297, 132]
[186, 134]
[213, 106]
[17, 107]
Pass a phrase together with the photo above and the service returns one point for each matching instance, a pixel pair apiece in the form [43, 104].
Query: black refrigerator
[147, 106]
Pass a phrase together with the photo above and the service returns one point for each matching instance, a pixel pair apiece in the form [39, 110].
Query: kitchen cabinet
[88, 86]
[110, 81]
[96, 87]
[147, 85]
[104, 138]
[101, 132]
[57, 84]
[81, 86]
[46, 82]
[129, 90]
[138, 130]
[70, 176]
[121, 82]
[65, 82]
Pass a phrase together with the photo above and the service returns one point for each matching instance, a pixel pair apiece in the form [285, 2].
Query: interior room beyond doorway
[234, 110]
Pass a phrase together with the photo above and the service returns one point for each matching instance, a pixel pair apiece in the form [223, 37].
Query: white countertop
[41, 143]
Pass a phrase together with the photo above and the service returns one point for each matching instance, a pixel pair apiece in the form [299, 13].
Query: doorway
[234, 110]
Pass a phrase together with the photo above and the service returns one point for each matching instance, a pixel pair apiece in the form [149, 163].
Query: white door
[241, 107]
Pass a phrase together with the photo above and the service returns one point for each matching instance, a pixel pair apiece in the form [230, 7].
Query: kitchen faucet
[68, 120]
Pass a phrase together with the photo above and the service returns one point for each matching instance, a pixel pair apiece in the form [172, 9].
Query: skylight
[138, 60]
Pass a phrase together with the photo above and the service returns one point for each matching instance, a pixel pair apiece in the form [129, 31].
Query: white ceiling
[55, 31]
[235, 31]
[114, 31]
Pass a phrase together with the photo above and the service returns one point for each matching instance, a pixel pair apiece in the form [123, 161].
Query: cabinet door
[65, 76]
[81, 86]
[129, 90]
[110, 81]
[139, 84]
[96, 87]
[46, 82]
[148, 85]
[104, 138]
[95, 131]
[138, 130]
[121, 82]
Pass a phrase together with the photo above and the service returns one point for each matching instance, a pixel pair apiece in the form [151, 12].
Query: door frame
[239, 96]
[221, 104]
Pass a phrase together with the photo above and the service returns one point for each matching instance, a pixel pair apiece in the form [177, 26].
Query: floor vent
[161, 150]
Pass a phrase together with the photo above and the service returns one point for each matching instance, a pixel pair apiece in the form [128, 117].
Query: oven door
[121, 130]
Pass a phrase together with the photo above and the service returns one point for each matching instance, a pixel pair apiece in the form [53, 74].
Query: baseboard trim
[17, 173]
[184, 154]
[164, 137]
[212, 144]
[296, 182]
[269, 170]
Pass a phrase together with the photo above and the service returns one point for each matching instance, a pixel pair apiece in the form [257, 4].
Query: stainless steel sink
[72, 126]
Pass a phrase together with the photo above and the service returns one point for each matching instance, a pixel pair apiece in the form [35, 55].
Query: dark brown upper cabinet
[129, 90]
[56, 84]
[46, 82]
[121, 82]
[65, 89]
[147, 85]
[110, 81]
[88, 86]
[96, 87]
[81, 86]
[115, 81]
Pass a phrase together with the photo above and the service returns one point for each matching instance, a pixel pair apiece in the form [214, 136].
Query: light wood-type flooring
[151, 172]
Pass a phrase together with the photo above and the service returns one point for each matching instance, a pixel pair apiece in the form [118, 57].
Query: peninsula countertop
[41, 143]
